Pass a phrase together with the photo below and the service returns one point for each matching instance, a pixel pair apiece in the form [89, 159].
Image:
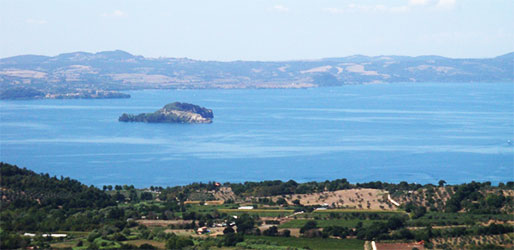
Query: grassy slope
[260, 212]
[313, 243]
[358, 211]
[327, 223]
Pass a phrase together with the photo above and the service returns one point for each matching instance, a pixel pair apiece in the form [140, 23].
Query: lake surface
[420, 132]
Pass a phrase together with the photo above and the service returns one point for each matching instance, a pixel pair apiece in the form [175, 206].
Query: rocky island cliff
[176, 112]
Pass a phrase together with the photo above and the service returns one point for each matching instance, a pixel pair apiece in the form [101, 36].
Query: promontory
[176, 112]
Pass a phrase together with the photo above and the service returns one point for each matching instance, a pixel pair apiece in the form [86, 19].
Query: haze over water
[417, 132]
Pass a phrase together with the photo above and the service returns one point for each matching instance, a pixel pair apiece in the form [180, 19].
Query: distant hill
[120, 70]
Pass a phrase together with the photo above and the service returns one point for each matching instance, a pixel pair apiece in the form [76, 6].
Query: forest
[250, 215]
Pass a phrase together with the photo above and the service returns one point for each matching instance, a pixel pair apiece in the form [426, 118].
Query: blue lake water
[420, 132]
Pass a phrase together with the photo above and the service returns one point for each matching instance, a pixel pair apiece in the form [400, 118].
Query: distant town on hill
[102, 74]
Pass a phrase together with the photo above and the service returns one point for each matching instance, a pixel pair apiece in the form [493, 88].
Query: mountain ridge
[120, 70]
[118, 51]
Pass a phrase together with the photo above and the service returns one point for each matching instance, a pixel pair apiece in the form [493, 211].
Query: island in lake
[176, 112]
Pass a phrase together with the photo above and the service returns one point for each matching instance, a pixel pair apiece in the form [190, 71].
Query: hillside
[120, 70]
[252, 215]
[24, 188]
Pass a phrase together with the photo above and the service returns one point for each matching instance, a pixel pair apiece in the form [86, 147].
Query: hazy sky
[259, 30]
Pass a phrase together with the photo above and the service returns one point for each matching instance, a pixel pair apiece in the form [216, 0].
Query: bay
[415, 132]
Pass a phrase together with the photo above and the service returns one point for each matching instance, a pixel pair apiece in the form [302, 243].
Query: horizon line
[245, 60]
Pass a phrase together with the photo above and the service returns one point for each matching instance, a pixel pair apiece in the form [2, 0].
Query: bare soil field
[182, 232]
[399, 246]
[362, 198]
[214, 231]
[158, 244]
[224, 193]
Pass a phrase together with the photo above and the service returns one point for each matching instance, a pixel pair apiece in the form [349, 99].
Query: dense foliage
[469, 198]
[270, 188]
[111, 217]
[23, 188]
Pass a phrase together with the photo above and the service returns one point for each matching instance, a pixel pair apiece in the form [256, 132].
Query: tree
[495, 201]
[93, 246]
[146, 196]
[177, 242]
[372, 231]
[312, 233]
[11, 241]
[418, 212]
[228, 230]
[232, 239]
[281, 201]
[133, 195]
[93, 235]
[146, 246]
[442, 183]
[119, 237]
[245, 224]
[337, 231]
[395, 222]
[272, 231]
[119, 197]
[308, 226]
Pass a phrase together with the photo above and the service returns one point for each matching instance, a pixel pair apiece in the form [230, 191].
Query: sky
[261, 30]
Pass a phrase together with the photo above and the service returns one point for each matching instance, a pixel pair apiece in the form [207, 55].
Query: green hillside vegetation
[124, 217]
[24, 188]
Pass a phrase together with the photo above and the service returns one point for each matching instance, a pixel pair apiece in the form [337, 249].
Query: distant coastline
[74, 75]
[20, 93]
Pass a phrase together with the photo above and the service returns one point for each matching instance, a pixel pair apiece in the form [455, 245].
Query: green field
[259, 212]
[312, 243]
[142, 203]
[439, 218]
[150, 242]
[326, 223]
[102, 243]
[209, 208]
[359, 211]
